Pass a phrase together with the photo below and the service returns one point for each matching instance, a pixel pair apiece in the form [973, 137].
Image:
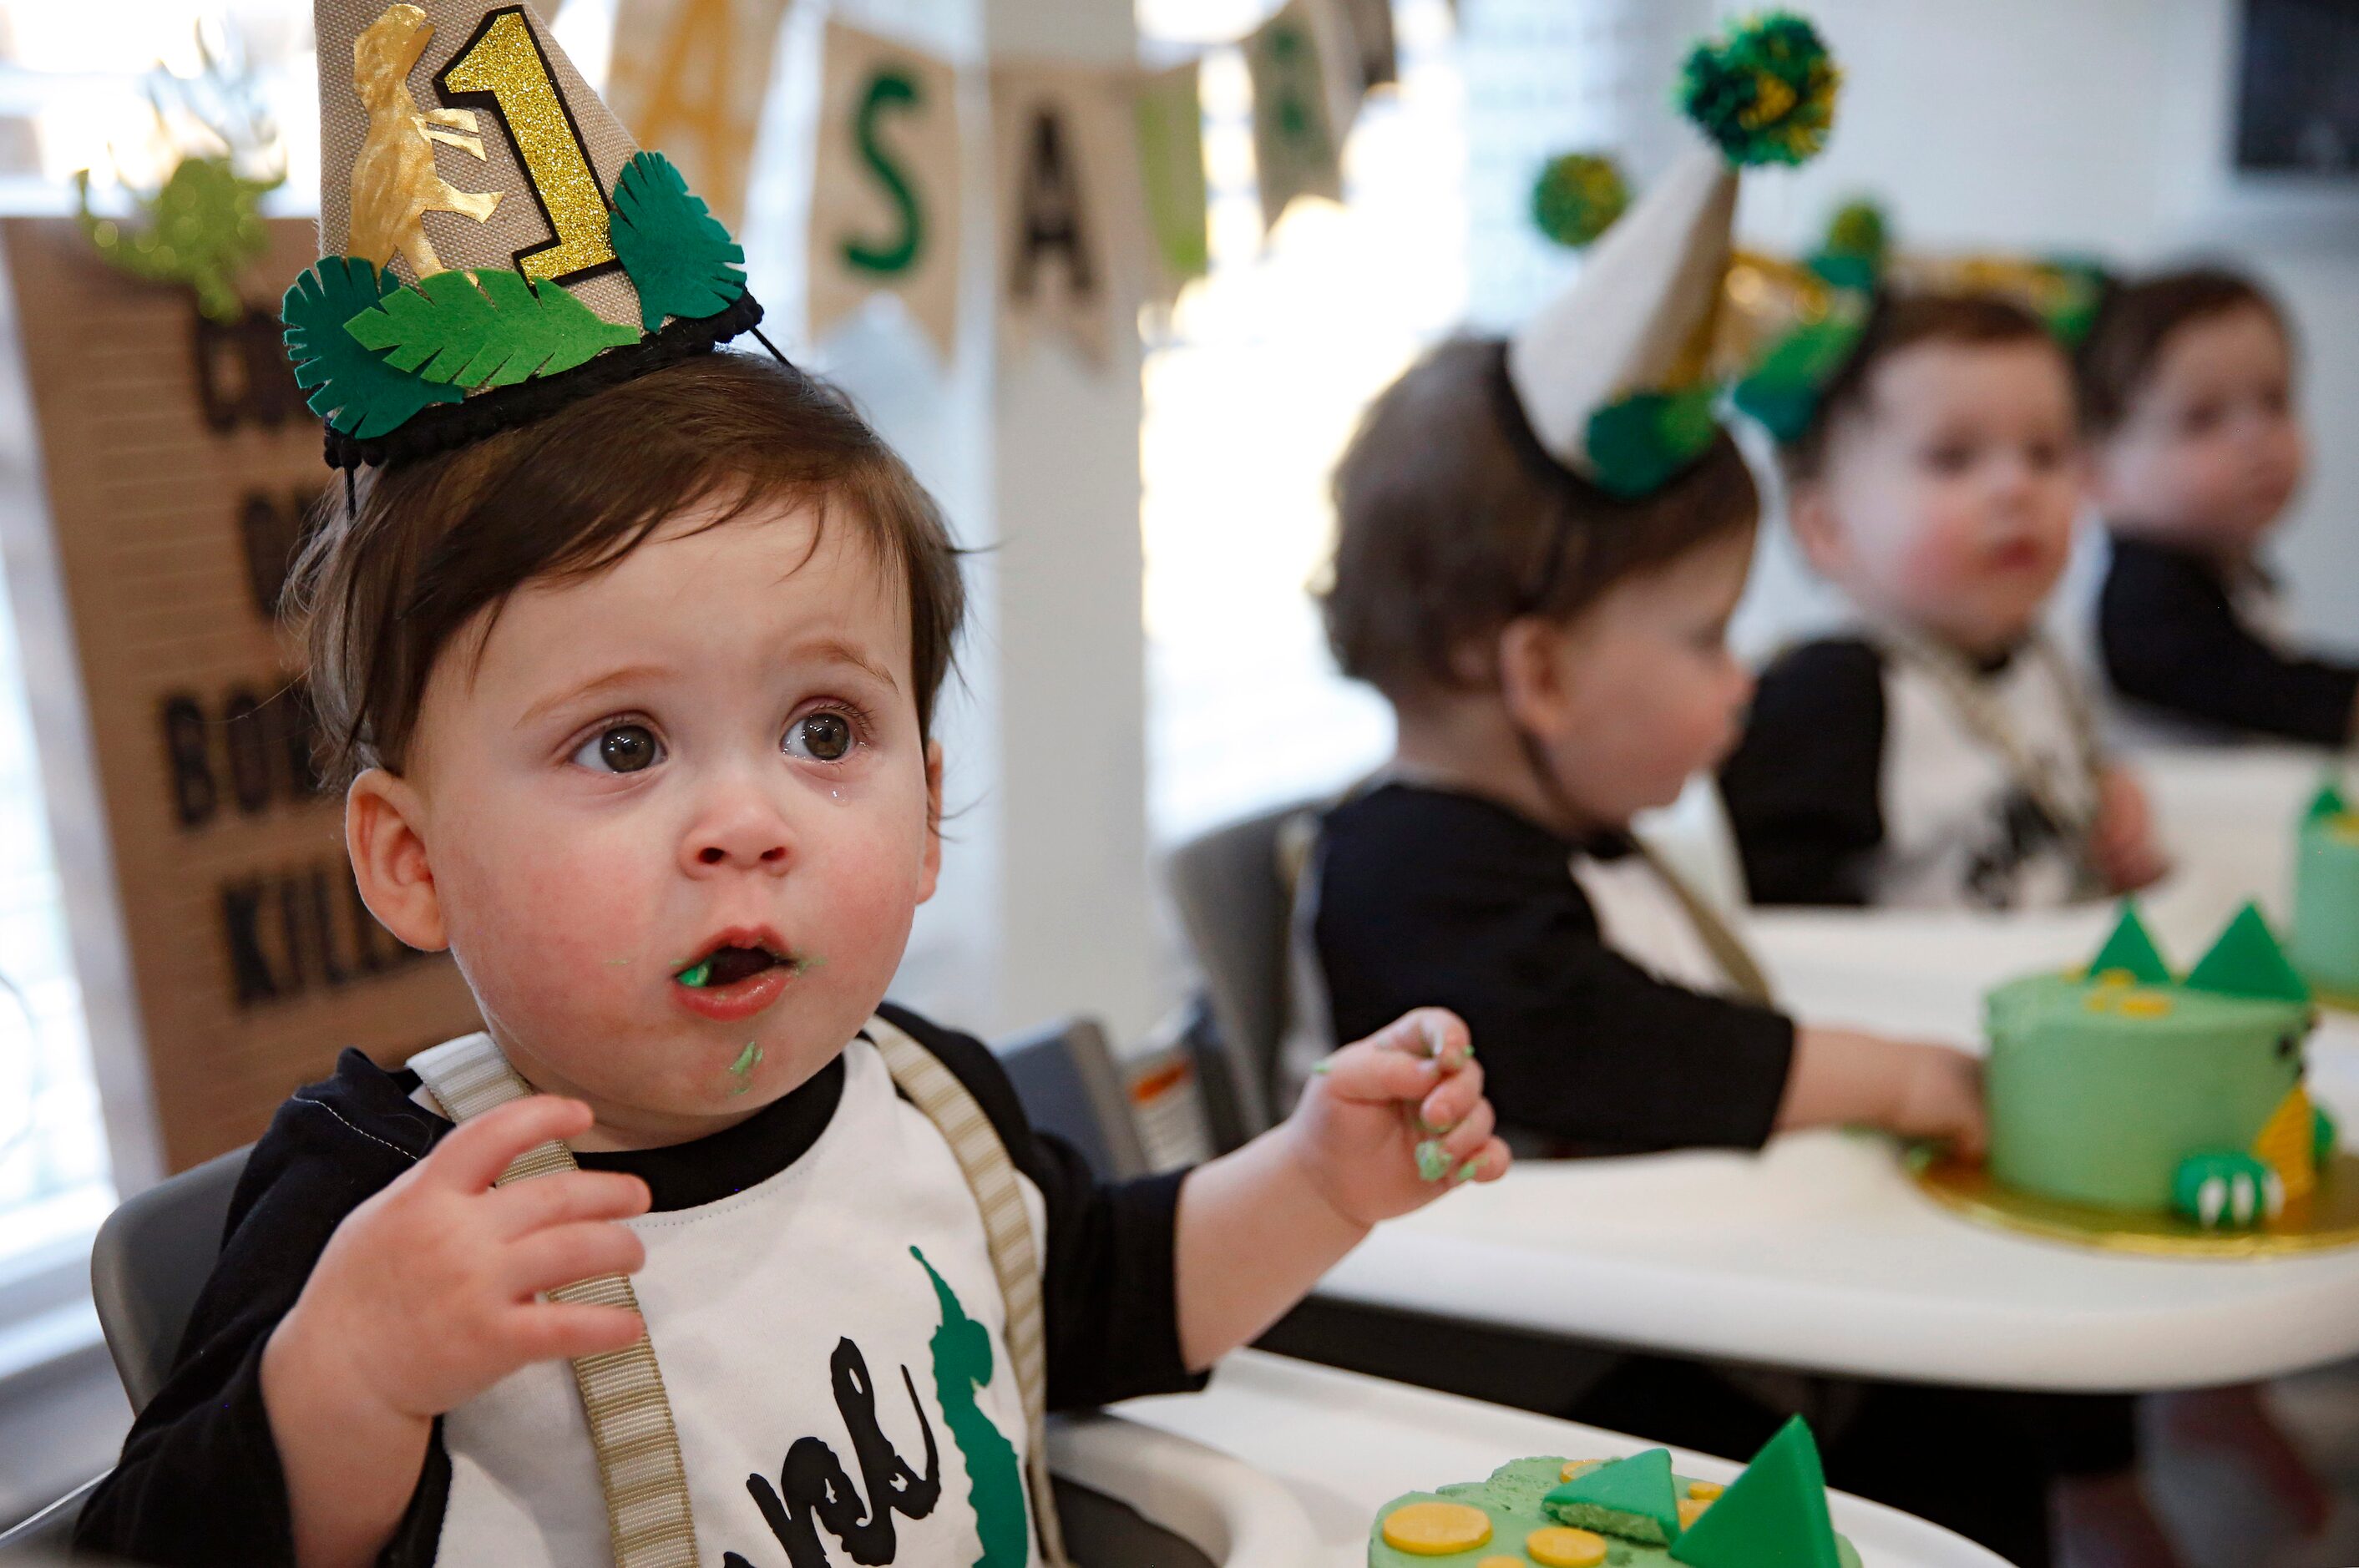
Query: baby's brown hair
[382, 588]
[1898, 322]
[2126, 342]
[1452, 521]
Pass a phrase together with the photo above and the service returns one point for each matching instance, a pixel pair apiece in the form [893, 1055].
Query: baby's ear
[931, 870]
[382, 835]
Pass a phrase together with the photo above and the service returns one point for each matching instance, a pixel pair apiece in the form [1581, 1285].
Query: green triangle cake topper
[2247, 961]
[1633, 1497]
[2329, 803]
[2131, 950]
[1773, 1516]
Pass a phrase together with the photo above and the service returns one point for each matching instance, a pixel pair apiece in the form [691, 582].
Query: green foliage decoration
[202, 229]
[354, 390]
[679, 255]
[485, 329]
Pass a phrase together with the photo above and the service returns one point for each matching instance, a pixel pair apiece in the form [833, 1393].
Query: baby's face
[1946, 503]
[678, 817]
[1652, 692]
[2209, 453]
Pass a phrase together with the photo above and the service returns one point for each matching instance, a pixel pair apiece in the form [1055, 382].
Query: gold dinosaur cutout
[395, 183]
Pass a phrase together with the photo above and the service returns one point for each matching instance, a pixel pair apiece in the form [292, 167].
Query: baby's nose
[748, 835]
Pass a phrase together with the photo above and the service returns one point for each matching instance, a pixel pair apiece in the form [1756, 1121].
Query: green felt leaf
[2328, 804]
[485, 329]
[1623, 1498]
[2325, 1137]
[2132, 948]
[679, 256]
[2247, 961]
[354, 390]
[1642, 442]
[1773, 1516]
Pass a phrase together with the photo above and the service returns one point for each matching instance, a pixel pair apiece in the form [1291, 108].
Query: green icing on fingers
[1433, 1164]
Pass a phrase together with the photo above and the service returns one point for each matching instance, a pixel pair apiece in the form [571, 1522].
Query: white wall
[2095, 125]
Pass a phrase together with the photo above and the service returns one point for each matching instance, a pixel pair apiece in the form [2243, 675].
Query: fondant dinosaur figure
[203, 228]
[395, 183]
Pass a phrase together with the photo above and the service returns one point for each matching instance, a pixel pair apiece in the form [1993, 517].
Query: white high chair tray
[1820, 1254]
[1344, 1446]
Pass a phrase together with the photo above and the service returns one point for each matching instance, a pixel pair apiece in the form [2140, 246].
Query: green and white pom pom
[1578, 196]
[1765, 92]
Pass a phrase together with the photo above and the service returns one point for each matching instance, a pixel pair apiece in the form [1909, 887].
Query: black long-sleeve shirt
[2171, 636]
[1429, 898]
[200, 1480]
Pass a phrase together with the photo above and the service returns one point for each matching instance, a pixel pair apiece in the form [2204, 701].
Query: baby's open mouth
[726, 966]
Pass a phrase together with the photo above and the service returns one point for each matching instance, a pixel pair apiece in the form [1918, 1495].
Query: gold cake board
[2327, 1218]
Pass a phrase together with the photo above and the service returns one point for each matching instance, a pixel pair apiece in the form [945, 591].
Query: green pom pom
[1578, 196]
[1644, 442]
[1766, 93]
[1858, 229]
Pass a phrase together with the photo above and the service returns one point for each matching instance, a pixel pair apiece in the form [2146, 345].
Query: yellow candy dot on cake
[1436, 1530]
[1562, 1546]
[1692, 1509]
[1576, 1466]
[2113, 978]
[1705, 1491]
[1500, 1560]
[2146, 1005]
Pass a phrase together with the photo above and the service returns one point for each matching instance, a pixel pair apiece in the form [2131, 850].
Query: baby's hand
[1941, 1098]
[428, 1293]
[2121, 841]
[1389, 1124]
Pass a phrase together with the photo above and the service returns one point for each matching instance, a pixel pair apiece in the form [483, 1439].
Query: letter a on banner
[885, 192]
[690, 76]
[1064, 145]
[1298, 145]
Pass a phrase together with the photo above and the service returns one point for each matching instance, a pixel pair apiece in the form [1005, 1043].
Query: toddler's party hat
[1620, 374]
[493, 243]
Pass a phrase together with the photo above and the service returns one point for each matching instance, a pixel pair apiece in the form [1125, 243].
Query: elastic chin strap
[1536, 757]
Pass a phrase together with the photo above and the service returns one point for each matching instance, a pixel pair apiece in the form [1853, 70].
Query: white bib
[810, 1360]
[1960, 832]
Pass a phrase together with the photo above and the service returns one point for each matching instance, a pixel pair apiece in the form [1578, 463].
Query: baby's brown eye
[822, 737]
[621, 748]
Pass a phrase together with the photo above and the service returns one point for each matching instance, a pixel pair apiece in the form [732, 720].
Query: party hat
[1618, 376]
[493, 242]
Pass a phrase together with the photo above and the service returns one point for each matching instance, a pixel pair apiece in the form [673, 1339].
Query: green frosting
[2098, 1092]
[1633, 1499]
[2326, 896]
[1773, 1516]
[2131, 950]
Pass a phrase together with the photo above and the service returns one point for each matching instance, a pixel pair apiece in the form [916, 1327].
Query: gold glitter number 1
[502, 68]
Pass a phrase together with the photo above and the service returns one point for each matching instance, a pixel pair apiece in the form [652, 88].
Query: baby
[1557, 663]
[1943, 756]
[2187, 393]
[634, 702]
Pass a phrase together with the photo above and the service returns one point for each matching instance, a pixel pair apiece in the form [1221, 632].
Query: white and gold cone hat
[493, 242]
[1619, 375]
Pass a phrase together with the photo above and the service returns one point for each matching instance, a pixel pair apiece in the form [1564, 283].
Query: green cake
[2124, 1087]
[1623, 1513]
[2326, 897]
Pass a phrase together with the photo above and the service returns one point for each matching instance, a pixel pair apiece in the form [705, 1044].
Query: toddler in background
[2186, 397]
[1556, 662]
[1942, 754]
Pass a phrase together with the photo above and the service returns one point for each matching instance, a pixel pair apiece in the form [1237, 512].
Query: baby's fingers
[560, 1198]
[565, 1331]
[473, 1157]
[1451, 1100]
[564, 1253]
[1402, 1060]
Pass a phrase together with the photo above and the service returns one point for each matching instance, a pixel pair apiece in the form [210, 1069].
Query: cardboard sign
[690, 76]
[180, 465]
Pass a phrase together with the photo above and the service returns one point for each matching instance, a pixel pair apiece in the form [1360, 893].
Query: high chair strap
[991, 1177]
[623, 1396]
[1719, 937]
